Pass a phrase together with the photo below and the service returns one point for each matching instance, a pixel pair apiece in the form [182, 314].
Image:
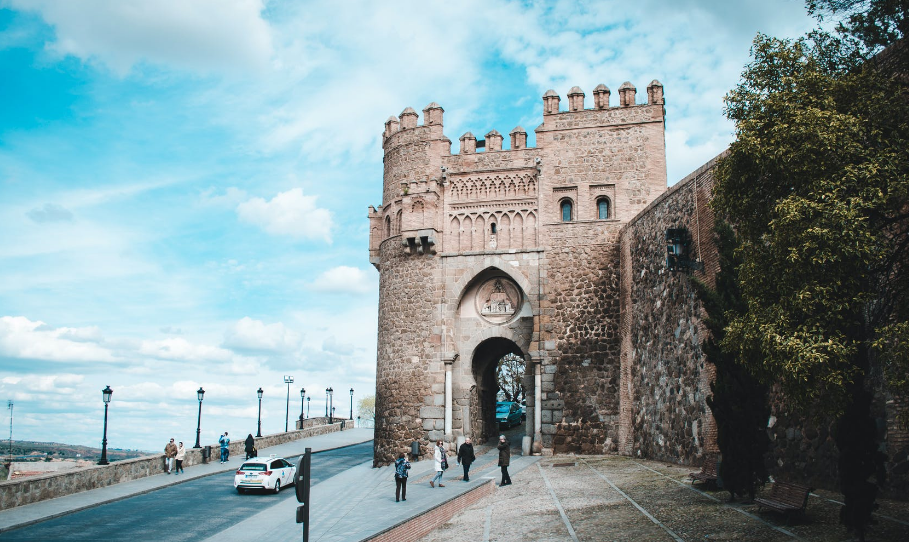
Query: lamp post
[358, 421]
[302, 406]
[105, 394]
[351, 403]
[331, 413]
[308, 399]
[326, 402]
[259, 393]
[287, 380]
[199, 393]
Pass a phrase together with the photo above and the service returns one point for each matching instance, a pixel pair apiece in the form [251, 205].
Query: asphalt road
[189, 511]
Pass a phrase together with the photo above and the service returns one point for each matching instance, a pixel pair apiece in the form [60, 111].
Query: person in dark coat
[504, 460]
[402, 465]
[466, 457]
[250, 446]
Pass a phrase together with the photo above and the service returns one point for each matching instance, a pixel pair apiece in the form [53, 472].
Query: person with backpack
[225, 447]
[402, 465]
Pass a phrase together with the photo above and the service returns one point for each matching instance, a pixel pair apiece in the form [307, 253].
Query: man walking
[170, 452]
[225, 451]
[504, 460]
[466, 457]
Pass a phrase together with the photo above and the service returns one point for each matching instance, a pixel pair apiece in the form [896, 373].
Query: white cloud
[202, 35]
[255, 335]
[345, 280]
[231, 197]
[289, 213]
[333, 345]
[24, 339]
[180, 349]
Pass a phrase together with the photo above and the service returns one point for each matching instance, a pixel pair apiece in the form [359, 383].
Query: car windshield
[502, 408]
[253, 467]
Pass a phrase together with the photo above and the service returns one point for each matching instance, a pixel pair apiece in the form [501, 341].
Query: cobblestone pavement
[596, 498]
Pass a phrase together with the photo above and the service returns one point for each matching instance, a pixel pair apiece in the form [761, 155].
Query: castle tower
[493, 251]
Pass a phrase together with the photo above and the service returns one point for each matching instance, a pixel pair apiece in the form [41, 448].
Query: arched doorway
[486, 358]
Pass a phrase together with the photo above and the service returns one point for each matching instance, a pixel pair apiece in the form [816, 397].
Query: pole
[351, 403]
[287, 409]
[103, 460]
[326, 402]
[259, 431]
[302, 486]
[302, 406]
[9, 404]
[331, 412]
[308, 399]
[199, 427]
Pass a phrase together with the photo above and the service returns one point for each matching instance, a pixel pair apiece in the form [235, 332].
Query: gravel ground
[597, 498]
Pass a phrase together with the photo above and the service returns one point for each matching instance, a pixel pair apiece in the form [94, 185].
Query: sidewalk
[359, 503]
[40, 511]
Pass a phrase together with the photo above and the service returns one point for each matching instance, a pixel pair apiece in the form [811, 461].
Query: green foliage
[366, 409]
[510, 377]
[738, 401]
[877, 23]
[817, 186]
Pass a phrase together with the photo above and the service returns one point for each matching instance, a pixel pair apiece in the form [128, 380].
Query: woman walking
[181, 455]
[250, 446]
[441, 464]
[402, 465]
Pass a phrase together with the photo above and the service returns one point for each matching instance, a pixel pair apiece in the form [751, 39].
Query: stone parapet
[49, 486]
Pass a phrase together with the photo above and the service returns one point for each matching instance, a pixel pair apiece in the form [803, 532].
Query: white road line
[488, 527]
[636, 505]
[558, 504]
[874, 514]
[711, 497]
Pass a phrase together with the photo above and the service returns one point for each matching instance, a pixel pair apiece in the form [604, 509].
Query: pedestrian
[181, 455]
[225, 450]
[170, 451]
[441, 459]
[466, 457]
[250, 446]
[402, 465]
[504, 460]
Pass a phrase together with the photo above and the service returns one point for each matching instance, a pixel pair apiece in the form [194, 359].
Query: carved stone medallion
[497, 300]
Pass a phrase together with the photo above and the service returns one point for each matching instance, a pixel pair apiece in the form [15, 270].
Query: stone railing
[48, 486]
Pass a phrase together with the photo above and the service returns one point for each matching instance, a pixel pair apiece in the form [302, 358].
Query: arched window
[387, 227]
[492, 228]
[565, 206]
[603, 208]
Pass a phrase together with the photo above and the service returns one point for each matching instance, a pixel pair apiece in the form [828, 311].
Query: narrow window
[492, 228]
[566, 211]
[387, 227]
[603, 208]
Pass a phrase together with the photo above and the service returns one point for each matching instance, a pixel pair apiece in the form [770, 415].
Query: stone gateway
[495, 251]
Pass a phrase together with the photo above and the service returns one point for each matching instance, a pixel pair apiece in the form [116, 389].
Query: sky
[184, 184]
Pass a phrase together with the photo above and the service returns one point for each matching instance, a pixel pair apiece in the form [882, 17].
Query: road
[189, 511]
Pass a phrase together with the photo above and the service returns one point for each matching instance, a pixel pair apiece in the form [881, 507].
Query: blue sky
[184, 185]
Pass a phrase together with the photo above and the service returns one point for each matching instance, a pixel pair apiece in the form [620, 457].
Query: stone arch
[489, 262]
[454, 235]
[504, 235]
[484, 359]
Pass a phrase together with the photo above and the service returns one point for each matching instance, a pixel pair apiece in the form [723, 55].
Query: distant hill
[24, 450]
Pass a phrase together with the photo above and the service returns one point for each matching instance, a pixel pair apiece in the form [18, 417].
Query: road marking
[488, 527]
[874, 513]
[558, 504]
[711, 497]
[636, 505]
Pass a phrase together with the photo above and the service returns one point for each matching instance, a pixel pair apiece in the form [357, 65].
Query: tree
[816, 186]
[876, 23]
[738, 400]
[510, 377]
[366, 410]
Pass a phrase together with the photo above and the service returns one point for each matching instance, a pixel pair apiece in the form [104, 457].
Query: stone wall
[39, 488]
[666, 376]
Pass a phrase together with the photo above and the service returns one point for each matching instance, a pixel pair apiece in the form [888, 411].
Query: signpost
[301, 486]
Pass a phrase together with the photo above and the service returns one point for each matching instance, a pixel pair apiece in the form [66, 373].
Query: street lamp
[331, 413]
[199, 393]
[259, 393]
[358, 421]
[326, 402]
[105, 394]
[308, 399]
[287, 380]
[351, 403]
[302, 405]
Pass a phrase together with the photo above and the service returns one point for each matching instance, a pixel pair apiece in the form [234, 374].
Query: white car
[269, 473]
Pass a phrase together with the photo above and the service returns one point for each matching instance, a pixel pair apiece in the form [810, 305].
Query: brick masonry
[39, 488]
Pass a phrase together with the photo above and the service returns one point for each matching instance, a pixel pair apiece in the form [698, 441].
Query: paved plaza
[596, 498]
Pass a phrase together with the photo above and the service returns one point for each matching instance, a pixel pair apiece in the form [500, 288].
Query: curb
[56, 515]
[419, 525]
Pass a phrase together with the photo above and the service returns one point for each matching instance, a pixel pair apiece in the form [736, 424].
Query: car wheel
[277, 486]
[240, 490]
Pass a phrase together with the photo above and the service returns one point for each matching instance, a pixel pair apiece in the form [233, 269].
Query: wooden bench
[785, 497]
[708, 472]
